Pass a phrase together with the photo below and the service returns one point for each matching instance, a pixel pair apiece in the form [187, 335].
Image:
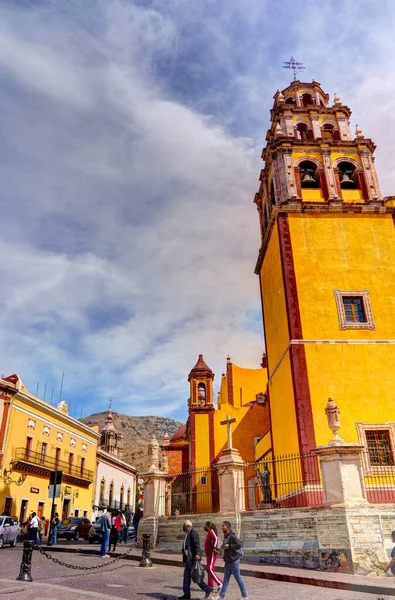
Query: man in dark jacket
[190, 553]
[231, 547]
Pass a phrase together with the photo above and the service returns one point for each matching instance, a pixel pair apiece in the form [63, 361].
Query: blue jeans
[186, 588]
[105, 539]
[233, 569]
[55, 535]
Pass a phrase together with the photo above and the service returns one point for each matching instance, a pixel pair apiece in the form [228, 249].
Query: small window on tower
[354, 310]
[290, 101]
[301, 131]
[308, 175]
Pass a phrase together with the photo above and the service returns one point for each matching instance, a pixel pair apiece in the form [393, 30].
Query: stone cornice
[105, 457]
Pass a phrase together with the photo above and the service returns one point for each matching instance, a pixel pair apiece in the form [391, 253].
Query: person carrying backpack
[233, 550]
[211, 547]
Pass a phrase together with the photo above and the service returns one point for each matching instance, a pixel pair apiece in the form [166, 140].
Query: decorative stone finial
[228, 358]
[333, 415]
[153, 453]
[278, 131]
[223, 373]
[358, 132]
[336, 100]
[280, 97]
[166, 439]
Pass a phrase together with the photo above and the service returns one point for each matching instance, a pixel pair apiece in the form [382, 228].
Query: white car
[9, 531]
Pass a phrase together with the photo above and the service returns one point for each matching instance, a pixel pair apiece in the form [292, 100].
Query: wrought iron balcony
[41, 464]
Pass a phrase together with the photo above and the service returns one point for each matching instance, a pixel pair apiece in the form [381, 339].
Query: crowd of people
[232, 550]
[114, 524]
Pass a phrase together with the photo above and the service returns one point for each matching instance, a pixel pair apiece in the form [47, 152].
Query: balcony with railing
[41, 464]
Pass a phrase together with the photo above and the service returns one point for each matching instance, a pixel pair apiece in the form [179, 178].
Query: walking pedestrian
[391, 564]
[233, 549]
[55, 525]
[41, 530]
[128, 521]
[211, 547]
[113, 533]
[118, 522]
[136, 520]
[105, 528]
[190, 553]
[33, 530]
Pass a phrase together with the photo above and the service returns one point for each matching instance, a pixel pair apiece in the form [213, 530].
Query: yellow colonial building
[35, 439]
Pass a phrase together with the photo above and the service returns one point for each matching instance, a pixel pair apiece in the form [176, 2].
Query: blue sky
[131, 135]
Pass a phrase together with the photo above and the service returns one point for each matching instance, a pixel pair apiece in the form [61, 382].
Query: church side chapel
[197, 446]
[327, 279]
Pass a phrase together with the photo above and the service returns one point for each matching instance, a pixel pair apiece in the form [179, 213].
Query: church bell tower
[326, 271]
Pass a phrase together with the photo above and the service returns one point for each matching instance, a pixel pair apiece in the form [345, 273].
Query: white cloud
[129, 232]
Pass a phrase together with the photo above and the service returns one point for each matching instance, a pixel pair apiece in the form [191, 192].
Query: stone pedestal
[231, 481]
[154, 502]
[342, 474]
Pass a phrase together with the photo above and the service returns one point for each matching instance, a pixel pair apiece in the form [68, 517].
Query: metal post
[146, 556]
[25, 573]
[50, 533]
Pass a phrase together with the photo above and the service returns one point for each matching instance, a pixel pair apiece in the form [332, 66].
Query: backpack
[239, 551]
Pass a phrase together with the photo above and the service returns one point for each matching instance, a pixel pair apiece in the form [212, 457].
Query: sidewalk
[340, 581]
[47, 591]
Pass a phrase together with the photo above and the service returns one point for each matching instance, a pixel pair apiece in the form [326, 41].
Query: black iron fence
[379, 473]
[281, 482]
[193, 492]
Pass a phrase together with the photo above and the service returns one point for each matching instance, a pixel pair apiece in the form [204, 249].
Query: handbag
[197, 573]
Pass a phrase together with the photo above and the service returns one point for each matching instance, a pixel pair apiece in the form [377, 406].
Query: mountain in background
[137, 432]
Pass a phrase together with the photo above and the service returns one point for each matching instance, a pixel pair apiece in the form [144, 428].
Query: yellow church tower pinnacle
[327, 274]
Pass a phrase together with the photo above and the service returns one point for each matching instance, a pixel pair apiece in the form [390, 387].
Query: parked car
[74, 527]
[9, 531]
[95, 534]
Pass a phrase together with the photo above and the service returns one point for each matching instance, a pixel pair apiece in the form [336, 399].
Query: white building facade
[115, 485]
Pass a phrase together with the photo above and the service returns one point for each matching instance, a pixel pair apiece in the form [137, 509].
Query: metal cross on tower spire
[293, 65]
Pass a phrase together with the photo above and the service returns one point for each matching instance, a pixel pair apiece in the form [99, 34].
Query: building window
[43, 452]
[82, 466]
[85, 514]
[128, 498]
[76, 512]
[354, 309]
[378, 442]
[28, 448]
[111, 495]
[203, 480]
[57, 457]
[71, 461]
[121, 497]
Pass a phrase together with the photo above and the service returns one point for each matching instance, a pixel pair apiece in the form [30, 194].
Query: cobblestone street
[125, 579]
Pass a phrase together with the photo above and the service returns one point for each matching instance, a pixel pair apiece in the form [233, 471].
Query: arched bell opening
[290, 101]
[272, 194]
[308, 175]
[307, 100]
[330, 132]
[302, 132]
[347, 176]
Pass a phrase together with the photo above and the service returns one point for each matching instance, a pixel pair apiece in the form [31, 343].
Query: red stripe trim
[229, 377]
[302, 399]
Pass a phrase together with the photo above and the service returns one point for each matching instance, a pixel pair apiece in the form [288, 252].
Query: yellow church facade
[35, 439]
[327, 278]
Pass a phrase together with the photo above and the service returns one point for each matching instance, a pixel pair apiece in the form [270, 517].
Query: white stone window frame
[343, 323]
[368, 468]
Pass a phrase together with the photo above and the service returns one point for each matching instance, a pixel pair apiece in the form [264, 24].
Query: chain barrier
[83, 568]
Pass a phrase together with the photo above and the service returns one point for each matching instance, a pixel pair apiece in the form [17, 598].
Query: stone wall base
[342, 539]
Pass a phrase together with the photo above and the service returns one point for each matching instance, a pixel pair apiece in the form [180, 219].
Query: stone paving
[126, 580]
